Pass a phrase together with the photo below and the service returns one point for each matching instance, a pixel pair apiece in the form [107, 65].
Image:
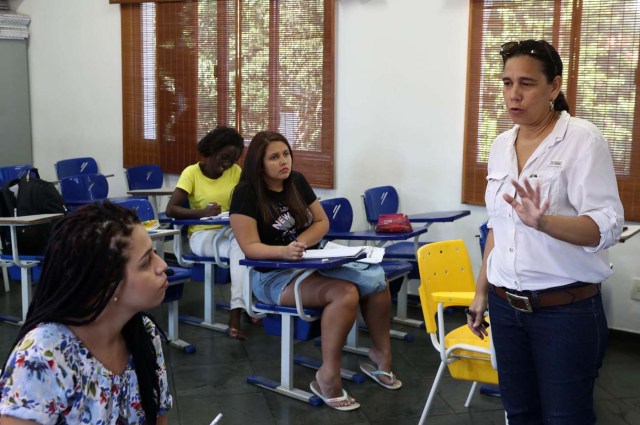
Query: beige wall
[401, 73]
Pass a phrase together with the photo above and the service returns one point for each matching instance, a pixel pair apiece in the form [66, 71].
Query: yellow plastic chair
[447, 279]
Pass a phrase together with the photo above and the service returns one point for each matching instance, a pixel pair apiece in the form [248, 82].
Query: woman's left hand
[530, 210]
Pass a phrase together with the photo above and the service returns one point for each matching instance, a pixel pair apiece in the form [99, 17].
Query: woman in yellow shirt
[207, 186]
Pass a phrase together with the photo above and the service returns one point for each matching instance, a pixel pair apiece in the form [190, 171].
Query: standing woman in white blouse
[554, 209]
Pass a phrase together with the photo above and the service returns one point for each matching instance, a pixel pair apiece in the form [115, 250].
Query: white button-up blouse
[574, 170]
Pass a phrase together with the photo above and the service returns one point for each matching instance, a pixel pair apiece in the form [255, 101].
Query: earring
[115, 299]
[551, 105]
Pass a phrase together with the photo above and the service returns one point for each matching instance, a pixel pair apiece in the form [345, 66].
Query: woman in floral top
[86, 353]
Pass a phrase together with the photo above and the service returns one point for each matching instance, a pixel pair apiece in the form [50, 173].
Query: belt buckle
[520, 299]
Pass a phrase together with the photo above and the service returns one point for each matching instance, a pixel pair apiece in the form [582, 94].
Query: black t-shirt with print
[280, 230]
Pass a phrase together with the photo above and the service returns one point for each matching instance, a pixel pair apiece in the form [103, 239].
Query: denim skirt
[268, 286]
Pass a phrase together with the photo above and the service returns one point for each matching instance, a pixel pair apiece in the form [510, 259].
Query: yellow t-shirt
[202, 190]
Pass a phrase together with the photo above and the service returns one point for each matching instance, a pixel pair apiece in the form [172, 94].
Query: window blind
[253, 65]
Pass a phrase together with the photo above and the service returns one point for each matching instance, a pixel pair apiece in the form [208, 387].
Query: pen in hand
[294, 238]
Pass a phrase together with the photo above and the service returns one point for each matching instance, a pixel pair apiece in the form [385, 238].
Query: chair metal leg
[174, 339]
[401, 309]
[285, 386]
[5, 278]
[432, 393]
[209, 304]
[471, 394]
[352, 345]
[25, 279]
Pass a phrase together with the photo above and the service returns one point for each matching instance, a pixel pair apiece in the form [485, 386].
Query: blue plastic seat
[11, 172]
[482, 237]
[74, 166]
[7, 174]
[141, 207]
[384, 200]
[147, 176]
[80, 189]
[340, 214]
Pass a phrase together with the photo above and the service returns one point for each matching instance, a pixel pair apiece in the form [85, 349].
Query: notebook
[331, 250]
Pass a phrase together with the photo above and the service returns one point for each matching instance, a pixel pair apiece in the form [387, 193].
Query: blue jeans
[548, 360]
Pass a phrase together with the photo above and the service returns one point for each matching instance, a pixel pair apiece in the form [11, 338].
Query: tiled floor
[212, 380]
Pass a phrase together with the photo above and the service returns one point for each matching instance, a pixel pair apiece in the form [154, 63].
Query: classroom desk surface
[372, 235]
[162, 233]
[28, 220]
[198, 222]
[150, 192]
[438, 216]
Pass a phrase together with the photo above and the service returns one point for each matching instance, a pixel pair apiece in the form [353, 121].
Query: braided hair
[84, 263]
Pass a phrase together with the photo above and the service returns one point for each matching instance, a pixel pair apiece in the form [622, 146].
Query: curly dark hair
[219, 138]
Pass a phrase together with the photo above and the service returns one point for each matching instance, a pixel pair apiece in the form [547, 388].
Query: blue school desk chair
[385, 200]
[289, 315]
[148, 176]
[12, 172]
[74, 166]
[214, 270]
[177, 276]
[26, 263]
[81, 189]
[340, 214]
[7, 174]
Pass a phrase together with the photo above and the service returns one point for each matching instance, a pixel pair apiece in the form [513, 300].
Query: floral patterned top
[52, 378]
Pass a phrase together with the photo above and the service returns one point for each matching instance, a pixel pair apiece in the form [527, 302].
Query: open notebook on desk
[332, 250]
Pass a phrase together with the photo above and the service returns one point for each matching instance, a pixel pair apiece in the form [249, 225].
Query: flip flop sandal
[334, 402]
[375, 374]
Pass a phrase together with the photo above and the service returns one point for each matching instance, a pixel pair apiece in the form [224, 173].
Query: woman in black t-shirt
[275, 215]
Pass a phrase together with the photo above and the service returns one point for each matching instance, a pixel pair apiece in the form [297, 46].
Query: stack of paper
[13, 25]
[332, 250]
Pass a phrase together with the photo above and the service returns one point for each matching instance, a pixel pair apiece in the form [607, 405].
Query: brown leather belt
[526, 301]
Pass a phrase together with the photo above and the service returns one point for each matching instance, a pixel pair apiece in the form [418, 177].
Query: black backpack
[35, 196]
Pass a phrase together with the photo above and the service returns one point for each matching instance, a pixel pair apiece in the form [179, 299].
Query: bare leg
[339, 300]
[376, 312]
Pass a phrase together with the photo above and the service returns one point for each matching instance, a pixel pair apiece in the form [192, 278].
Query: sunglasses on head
[533, 48]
